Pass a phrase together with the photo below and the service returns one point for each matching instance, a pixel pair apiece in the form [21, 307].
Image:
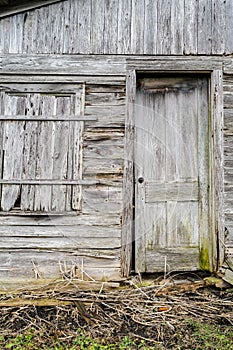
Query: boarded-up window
[40, 140]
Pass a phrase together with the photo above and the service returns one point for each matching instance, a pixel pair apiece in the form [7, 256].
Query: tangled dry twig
[146, 312]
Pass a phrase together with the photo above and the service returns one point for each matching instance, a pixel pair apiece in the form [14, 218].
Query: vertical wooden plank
[128, 180]
[137, 26]
[1, 36]
[77, 147]
[30, 152]
[181, 166]
[110, 26]
[39, 35]
[217, 181]
[150, 151]
[44, 163]
[28, 32]
[177, 27]
[124, 26]
[16, 33]
[164, 38]
[54, 15]
[13, 147]
[173, 143]
[60, 154]
[190, 27]
[6, 34]
[204, 27]
[206, 241]
[218, 26]
[2, 111]
[97, 27]
[69, 26]
[150, 27]
[83, 41]
[229, 26]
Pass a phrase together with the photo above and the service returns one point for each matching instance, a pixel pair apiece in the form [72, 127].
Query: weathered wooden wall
[228, 160]
[33, 244]
[91, 242]
[171, 27]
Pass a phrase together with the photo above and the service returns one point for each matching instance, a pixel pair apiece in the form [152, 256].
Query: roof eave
[6, 11]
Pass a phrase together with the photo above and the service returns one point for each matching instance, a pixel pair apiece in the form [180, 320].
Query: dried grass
[155, 313]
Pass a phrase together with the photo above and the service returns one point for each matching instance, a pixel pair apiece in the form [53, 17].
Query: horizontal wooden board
[112, 148]
[65, 232]
[109, 116]
[108, 220]
[228, 121]
[185, 259]
[192, 64]
[67, 64]
[101, 165]
[102, 199]
[57, 243]
[104, 98]
[115, 83]
[228, 99]
[162, 192]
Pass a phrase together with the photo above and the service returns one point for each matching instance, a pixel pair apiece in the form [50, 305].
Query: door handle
[140, 179]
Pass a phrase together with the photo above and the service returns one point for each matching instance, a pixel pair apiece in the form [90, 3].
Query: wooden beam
[25, 6]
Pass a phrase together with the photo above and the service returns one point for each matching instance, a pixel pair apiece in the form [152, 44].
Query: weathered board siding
[228, 162]
[45, 240]
[171, 27]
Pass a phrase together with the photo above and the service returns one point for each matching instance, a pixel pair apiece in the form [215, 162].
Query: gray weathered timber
[125, 27]
[229, 24]
[161, 192]
[217, 210]
[57, 229]
[219, 26]
[190, 25]
[150, 27]
[172, 260]
[69, 132]
[128, 180]
[64, 65]
[170, 204]
[228, 162]
[204, 32]
[137, 22]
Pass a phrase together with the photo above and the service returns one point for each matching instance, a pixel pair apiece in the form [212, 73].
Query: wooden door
[171, 173]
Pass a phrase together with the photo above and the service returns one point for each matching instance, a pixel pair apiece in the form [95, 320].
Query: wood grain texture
[150, 27]
[229, 24]
[52, 232]
[137, 25]
[190, 25]
[128, 180]
[219, 26]
[204, 28]
[171, 157]
[123, 27]
[218, 177]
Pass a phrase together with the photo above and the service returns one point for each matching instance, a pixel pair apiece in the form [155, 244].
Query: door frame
[213, 254]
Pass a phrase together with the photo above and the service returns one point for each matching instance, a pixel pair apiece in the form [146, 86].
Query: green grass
[210, 336]
[30, 341]
[190, 335]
